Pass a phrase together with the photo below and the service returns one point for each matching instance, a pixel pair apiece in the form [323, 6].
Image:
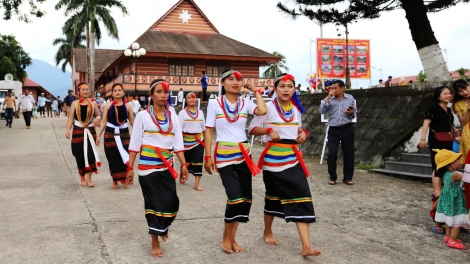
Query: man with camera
[341, 111]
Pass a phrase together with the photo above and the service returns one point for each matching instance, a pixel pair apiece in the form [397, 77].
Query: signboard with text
[331, 58]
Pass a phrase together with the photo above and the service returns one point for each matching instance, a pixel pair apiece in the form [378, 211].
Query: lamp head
[142, 51]
[135, 46]
[127, 52]
[337, 25]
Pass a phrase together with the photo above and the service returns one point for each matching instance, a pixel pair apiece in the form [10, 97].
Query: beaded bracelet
[129, 168]
[269, 130]
[306, 133]
[257, 91]
[206, 158]
[186, 164]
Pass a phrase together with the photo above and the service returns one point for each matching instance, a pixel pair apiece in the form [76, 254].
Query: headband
[285, 77]
[191, 95]
[80, 86]
[165, 85]
[237, 74]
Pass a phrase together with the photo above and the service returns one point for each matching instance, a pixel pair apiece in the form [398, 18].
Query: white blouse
[190, 125]
[273, 120]
[226, 131]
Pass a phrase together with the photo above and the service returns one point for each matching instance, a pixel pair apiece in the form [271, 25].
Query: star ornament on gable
[185, 16]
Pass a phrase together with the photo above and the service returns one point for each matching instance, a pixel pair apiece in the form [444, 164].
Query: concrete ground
[47, 218]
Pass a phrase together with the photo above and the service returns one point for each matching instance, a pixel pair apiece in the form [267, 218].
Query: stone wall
[387, 119]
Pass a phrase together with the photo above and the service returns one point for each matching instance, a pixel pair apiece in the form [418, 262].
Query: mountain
[50, 77]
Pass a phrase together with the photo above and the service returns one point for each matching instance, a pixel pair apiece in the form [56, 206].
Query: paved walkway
[47, 218]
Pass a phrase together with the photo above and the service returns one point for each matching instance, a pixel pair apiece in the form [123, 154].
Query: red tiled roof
[29, 83]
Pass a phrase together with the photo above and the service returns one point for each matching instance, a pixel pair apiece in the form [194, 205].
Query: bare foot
[310, 252]
[114, 186]
[90, 183]
[125, 185]
[198, 188]
[156, 250]
[82, 181]
[165, 237]
[269, 238]
[227, 246]
[237, 248]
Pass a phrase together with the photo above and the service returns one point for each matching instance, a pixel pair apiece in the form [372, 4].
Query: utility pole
[348, 73]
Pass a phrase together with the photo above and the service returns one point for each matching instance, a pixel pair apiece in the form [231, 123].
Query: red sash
[167, 164]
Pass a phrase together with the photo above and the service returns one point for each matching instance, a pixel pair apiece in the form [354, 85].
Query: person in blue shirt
[42, 104]
[204, 82]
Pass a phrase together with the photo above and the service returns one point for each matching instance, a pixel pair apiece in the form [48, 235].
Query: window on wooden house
[215, 69]
[181, 68]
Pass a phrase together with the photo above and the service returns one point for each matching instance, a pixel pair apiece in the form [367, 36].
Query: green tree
[12, 8]
[13, 59]
[275, 69]
[462, 72]
[416, 13]
[87, 14]
[421, 76]
[65, 52]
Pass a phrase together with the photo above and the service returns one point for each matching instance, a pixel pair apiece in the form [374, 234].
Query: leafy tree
[13, 59]
[12, 8]
[421, 76]
[275, 69]
[462, 72]
[327, 11]
[87, 14]
[65, 51]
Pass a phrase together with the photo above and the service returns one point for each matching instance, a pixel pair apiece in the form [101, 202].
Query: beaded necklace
[165, 126]
[286, 114]
[193, 115]
[116, 113]
[231, 115]
[89, 113]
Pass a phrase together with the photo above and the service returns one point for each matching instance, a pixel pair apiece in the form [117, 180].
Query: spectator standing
[49, 100]
[388, 83]
[341, 112]
[42, 105]
[135, 105]
[26, 104]
[100, 102]
[204, 82]
[9, 105]
[68, 100]
[297, 90]
[59, 106]
[381, 83]
[180, 97]
[54, 108]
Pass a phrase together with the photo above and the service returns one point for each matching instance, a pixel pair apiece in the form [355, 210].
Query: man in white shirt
[180, 97]
[134, 104]
[26, 105]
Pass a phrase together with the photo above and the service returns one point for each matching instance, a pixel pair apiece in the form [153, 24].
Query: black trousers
[42, 110]
[204, 94]
[345, 135]
[27, 118]
[9, 116]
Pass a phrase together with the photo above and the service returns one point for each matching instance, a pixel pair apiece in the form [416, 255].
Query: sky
[260, 24]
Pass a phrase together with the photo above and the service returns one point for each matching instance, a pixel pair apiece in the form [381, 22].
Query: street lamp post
[348, 73]
[379, 69]
[135, 52]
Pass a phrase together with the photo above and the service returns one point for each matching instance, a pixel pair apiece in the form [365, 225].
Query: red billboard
[331, 58]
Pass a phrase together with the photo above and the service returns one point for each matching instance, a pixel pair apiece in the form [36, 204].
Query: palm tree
[88, 14]
[65, 51]
[274, 69]
[462, 72]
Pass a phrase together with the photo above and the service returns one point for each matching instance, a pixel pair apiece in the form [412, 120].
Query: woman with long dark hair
[84, 117]
[156, 135]
[437, 118]
[284, 172]
[117, 115]
[228, 115]
[193, 126]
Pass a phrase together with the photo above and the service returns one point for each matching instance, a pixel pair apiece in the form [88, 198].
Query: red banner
[331, 58]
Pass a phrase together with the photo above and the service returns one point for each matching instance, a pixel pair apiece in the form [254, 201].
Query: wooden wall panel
[173, 22]
[248, 69]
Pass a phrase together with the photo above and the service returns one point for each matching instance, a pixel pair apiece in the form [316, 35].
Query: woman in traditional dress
[228, 115]
[156, 134]
[117, 115]
[84, 117]
[193, 127]
[284, 172]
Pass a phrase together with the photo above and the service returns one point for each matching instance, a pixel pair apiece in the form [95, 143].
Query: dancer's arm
[208, 162]
[130, 173]
[104, 120]
[131, 116]
[96, 114]
[261, 108]
[184, 168]
[70, 119]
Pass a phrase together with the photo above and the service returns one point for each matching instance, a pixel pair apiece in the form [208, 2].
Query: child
[35, 112]
[451, 206]
[54, 107]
